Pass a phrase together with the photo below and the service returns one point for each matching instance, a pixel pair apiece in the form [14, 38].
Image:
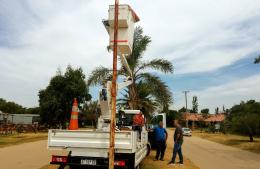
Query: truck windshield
[128, 121]
[155, 121]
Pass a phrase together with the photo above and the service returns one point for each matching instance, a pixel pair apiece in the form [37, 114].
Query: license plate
[88, 162]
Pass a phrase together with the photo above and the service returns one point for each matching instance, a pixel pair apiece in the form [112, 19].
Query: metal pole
[113, 91]
[186, 92]
[186, 100]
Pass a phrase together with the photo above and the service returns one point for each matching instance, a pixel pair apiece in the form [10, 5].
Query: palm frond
[158, 88]
[162, 65]
[140, 44]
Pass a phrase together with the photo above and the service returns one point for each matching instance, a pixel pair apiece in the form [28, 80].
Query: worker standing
[161, 136]
[178, 140]
[138, 123]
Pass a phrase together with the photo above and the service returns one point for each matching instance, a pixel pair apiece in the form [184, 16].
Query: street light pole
[186, 92]
[113, 91]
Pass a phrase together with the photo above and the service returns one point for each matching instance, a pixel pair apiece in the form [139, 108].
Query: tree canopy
[183, 110]
[195, 104]
[14, 108]
[90, 113]
[205, 111]
[57, 99]
[257, 60]
[245, 118]
[11, 107]
[171, 116]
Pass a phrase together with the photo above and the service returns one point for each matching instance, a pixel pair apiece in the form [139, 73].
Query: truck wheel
[148, 149]
[73, 167]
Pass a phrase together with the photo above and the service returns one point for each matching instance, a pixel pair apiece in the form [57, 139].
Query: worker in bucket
[161, 136]
[178, 140]
[138, 123]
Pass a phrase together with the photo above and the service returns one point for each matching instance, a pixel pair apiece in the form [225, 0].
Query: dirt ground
[208, 154]
[238, 141]
[204, 153]
[148, 162]
[30, 155]
[15, 139]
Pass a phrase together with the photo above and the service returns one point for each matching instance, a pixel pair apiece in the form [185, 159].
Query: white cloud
[227, 94]
[39, 36]
[203, 35]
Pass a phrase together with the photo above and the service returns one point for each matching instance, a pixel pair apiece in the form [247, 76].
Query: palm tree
[90, 112]
[147, 90]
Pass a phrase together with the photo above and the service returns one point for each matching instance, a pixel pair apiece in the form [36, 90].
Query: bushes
[245, 118]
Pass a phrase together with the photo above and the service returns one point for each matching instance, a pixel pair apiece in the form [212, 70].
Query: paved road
[31, 155]
[210, 155]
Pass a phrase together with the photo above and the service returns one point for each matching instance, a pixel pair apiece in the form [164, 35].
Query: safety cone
[74, 116]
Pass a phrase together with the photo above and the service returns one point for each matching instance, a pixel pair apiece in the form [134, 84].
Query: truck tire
[148, 149]
[74, 167]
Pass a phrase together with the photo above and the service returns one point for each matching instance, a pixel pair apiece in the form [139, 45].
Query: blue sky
[212, 45]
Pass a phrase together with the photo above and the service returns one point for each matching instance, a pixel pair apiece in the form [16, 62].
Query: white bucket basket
[126, 20]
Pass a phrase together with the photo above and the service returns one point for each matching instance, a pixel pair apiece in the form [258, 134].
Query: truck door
[154, 123]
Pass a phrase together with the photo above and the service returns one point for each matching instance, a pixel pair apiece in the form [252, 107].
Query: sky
[212, 45]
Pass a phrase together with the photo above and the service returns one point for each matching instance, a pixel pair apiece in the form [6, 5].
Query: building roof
[192, 116]
[216, 118]
[198, 117]
[26, 115]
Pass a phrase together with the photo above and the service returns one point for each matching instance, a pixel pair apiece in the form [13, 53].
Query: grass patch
[238, 141]
[14, 139]
[49, 166]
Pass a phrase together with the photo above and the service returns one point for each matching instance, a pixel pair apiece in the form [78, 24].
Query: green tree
[171, 116]
[245, 118]
[90, 113]
[145, 101]
[223, 109]
[56, 100]
[217, 110]
[257, 60]
[34, 110]
[11, 107]
[137, 94]
[195, 104]
[205, 111]
[183, 110]
[14, 108]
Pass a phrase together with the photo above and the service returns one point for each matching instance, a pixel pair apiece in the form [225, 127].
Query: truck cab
[157, 117]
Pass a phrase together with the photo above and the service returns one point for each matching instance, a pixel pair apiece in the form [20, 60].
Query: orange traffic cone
[74, 116]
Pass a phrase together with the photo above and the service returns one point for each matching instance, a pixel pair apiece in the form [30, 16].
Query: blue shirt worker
[161, 136]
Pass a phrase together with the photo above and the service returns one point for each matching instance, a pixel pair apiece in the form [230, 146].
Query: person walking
[161, 136]
[178, 141]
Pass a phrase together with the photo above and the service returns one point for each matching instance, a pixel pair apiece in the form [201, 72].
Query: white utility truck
[89, 148]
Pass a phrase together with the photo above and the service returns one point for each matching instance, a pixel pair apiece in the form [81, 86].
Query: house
[193, 119]
[216, 119]
[19, 118]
